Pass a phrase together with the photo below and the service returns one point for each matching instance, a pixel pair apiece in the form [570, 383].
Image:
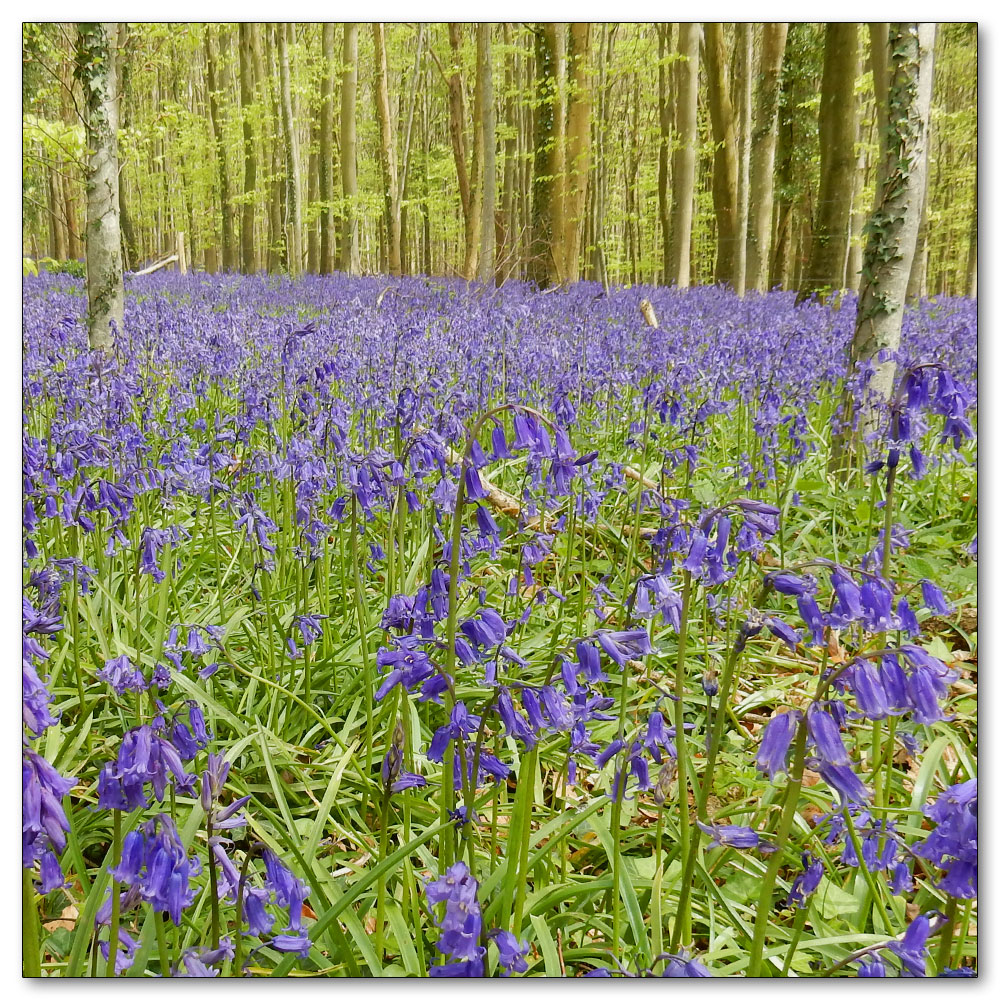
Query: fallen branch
[156, 266]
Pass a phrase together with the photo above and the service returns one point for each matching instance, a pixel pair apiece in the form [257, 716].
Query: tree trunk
[350, 258]
[685, 71]
[95, 57]
[510, 162]
[390, 173]
[878, 39]
[837, 134]
[293, 183]
[577, 148]
[896, 216]
[744, 100]
[725, 167]
[474, 221]
[540, 261]
[663, 151]
[484, 60]
[972, 258]
[763, 143]
[327, 249]
[249, 150]
[557, 40]
[222, 165]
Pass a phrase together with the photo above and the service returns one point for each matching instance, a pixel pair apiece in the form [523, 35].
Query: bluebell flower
[806, 882]
[730, 835]
[825, 735]
[772, 756]
[953, 845]
[623, 646]
[511, 951]
[912, 949]
[871, 968]
[934, 600]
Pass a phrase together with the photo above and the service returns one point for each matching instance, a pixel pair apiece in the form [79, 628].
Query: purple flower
[825, 735]
[934, 600]
[623, 646]
[730, 835]
[511, 951]
[912, 949]
[776, 741]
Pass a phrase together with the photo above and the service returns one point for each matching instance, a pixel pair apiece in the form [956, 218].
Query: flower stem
[31, 962]
[791, 802]
[116, 853]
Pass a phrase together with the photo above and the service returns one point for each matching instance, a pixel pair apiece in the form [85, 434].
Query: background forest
[625, 153]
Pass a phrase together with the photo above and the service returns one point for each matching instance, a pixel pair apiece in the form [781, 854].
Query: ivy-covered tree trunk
[95, 69]
[685, 154]
[837, 133]
[892, 229]
[350, 257]
[763, 143]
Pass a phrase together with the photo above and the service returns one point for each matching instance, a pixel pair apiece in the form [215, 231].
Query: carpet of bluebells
[405, 628]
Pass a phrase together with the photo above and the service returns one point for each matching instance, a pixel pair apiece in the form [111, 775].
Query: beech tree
[892, 228]
[837, 133]
[95, 69]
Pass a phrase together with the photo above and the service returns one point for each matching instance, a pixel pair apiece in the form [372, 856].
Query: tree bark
[350, 257]
[663, 151]
[484, 61]
[744, 96]
[222, 165]
[95, 68]
[763, 144]
[540, 261]
[557, 41]
[725, 167]
[474, 221]
[388, 149]
[577, 148]
[510, 162]
[878, 39]
[685, 154]
[837, 134]
[327, 248]
[249, 151]
[293, 183]
[893, 230]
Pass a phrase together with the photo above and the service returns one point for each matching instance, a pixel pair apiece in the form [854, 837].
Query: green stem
[30, 941]
[116, 853]
[791, 802]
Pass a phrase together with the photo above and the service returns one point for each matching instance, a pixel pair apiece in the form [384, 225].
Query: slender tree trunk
[510, 163]
[222, 164]
[744, 100]
[725, 169]
[972, 257]
[293, 183]
[95, 59]
[327, 248]
[685, 154]
[484, 60]
[540, 261]
[837, 133]
[557, 41]
[474, 227]
[350, 259]
[388, 149]
[249, 150]
[763, 144]
[855, 246]
[896, 217]
[663, 151]
[57, 244]
[577, 147]
[878, 39]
